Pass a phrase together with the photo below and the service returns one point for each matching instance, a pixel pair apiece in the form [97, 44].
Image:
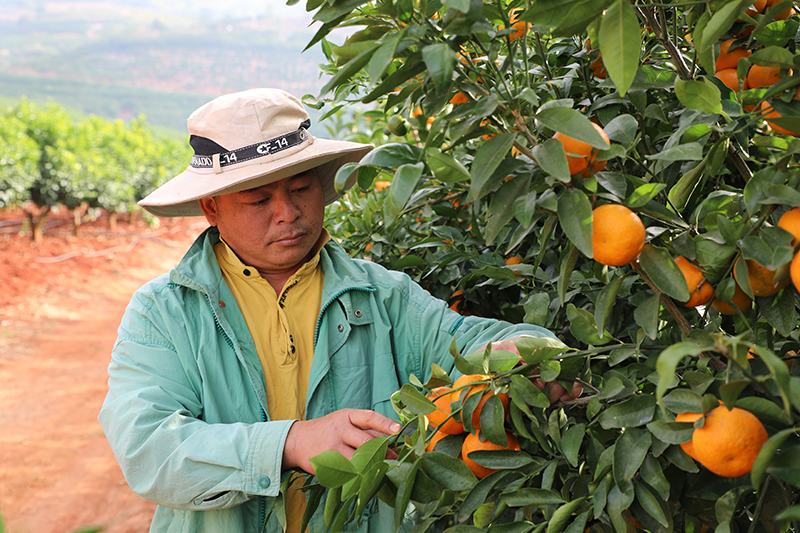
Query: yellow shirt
[282, 326]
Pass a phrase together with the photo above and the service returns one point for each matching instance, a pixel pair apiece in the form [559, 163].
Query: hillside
[160, 59]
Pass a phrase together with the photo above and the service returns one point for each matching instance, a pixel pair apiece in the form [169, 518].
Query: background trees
[472, 193]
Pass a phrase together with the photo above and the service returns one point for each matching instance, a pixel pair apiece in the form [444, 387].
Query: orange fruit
[513, 260]
[759, 76]
[729, 441]
[459, 98]
[769, 112]
[794, 271]
[742, 301]
[688, 447]
[472, 444]
[438, 418]
[700, 290]
[729, 77]
[478, 388]
[582, 153]
[755, 9]
[520, 28]
[598, 68]
[729, 58]
[381, 185]
[762, 280]
[790, 221]
[618, 235]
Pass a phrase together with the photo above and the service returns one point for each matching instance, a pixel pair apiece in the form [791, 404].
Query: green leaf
[492, 421]
[768, 451]
[629, 452]
[404, 490]
[633, 412]
[524, 390]
[415, 401]
[562, 515]
[575, 217]
[668, 361]
[333, 469]
[621, 44]
[383, 56]
[501, 208]
[348, 71]
[680, 152]
[392, 156]
[404, 184]
[487, 160]
[700, 95]
[646, 316]
[582, 325]
[531, 496]
[650, 502]
[445, 167]
[622, 129]
[571, 442]
[342, 180]
[605, 303]
[644, 193]
[571, 122]
[551, 157]
[663, 272]
[440, 60]
[448, 471]
[535, 350]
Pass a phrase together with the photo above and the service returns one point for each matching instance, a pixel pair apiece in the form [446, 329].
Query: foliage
[48, 160]
[475, 183]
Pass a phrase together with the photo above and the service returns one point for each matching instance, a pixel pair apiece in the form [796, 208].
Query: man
[266, 345]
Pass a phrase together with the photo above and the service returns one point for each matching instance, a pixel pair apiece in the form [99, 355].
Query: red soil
[60, 304]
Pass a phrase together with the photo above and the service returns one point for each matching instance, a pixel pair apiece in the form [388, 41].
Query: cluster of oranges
[763, 281]
[729, 441]
[446, 419]
[732, 50]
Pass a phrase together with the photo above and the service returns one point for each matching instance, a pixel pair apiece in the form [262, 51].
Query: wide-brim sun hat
[246, 140]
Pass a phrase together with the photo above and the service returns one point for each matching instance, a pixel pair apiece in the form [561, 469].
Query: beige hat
[249, 139]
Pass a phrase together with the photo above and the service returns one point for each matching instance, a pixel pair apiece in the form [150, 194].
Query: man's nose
[285, 209]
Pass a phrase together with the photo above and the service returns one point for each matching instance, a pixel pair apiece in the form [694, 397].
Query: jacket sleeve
[153, 419]
[427, 328]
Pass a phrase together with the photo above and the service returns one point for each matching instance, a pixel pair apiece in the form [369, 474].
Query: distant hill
[158, 58]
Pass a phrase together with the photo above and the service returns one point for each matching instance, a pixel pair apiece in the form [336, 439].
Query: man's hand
[343, 431]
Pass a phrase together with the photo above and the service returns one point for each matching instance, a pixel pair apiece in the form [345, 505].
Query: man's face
[274, 227]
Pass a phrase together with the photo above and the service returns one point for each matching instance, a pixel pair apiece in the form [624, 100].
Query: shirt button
[263, 482]
[292, 349]
[341, 328]
[246, 272]
[221, 303]
[358, 313]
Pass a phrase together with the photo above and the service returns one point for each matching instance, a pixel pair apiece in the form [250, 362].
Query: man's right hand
[343, 431]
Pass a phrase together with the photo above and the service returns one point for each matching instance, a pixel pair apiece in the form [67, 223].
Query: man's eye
[260, 202]
[302, 189]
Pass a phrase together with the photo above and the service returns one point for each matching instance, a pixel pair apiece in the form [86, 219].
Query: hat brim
[178, 197]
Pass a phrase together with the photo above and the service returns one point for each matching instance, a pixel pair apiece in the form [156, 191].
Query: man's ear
[209, 208]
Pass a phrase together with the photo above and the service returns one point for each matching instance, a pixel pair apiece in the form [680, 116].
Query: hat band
[254, 151]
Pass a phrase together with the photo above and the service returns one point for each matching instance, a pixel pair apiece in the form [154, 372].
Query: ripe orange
[477, 389]
[729, 58]
[790, 221]
[700, 290]
[759, 76]
[381, 185]
[769, 113]
[729, 77]
[437, 418]
[729, 441]
[794, 271]
[762, 280]
[757, 7]
[598, 68]
[688, 447]
[583, 153]
[618, 235]
[459, 98]
[472, 444]
[742, 301]
[513, 260]
[520, 28]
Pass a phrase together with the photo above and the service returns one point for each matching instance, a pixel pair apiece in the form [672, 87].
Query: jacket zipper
[262, 501]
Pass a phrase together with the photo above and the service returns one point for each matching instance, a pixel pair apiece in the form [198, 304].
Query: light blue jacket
[185, 411]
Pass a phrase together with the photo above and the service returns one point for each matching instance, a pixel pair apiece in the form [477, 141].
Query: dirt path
[57, 472]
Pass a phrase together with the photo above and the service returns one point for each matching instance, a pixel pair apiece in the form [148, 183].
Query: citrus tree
[623, 173]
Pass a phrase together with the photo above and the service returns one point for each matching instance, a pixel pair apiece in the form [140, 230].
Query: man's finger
[364, 419]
